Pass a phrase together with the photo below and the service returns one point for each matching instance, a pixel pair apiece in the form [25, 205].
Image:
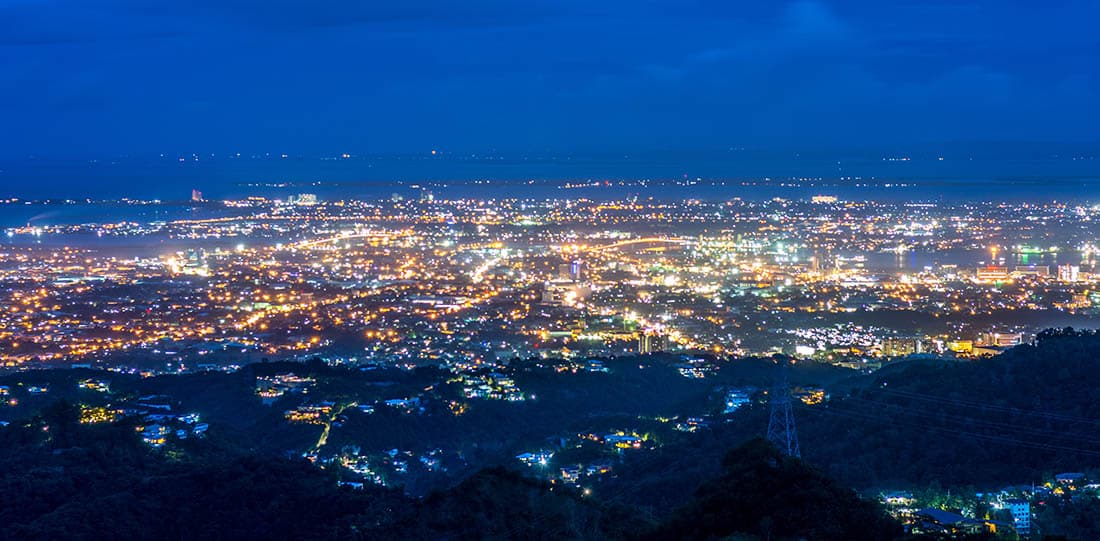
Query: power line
[964, 433]
[987, 423]
[978, 404]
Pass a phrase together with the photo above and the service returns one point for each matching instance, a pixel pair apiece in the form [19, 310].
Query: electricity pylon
[781, 430]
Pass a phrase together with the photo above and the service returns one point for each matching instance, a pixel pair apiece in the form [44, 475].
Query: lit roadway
[338, 238]
[661, 240]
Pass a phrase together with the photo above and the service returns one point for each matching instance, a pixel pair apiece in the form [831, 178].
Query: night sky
[92, 78]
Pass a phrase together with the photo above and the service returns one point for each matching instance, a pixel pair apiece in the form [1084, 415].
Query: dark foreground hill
[1016, 419]
[61, 479]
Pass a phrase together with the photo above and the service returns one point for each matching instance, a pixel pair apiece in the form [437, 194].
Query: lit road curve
[647, 240]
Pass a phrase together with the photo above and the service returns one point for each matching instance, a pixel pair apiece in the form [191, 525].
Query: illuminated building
[651, 342]
[900, 347]
[1021, 515]
[991, 273]
[1069, 273]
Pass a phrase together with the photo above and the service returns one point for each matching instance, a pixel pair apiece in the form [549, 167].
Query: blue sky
[129, 77]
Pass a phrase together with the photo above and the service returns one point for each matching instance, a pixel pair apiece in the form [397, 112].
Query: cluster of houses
[381, 468]
[616, 440]
[314, 414]
[538, 458]
[737, 398]
[360, 466]
[160, 424]
[1012, 508]
[695, 368]
[494, 386]
[270, 388]
[692, 424]
[157, 423]
[574, 474]
[406, 405]
[319, 413]
[93, 384]
[810, 394]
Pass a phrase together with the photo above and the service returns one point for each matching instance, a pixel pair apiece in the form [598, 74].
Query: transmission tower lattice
[781, 430]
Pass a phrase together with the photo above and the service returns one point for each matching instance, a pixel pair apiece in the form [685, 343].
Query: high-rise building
[651, 342]
[1069, 273]
[196, 196]
[572, 271]
[901, 346]
[1021, 515]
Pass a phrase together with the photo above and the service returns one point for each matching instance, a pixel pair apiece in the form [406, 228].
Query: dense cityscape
[802, 270]
[460, 283]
